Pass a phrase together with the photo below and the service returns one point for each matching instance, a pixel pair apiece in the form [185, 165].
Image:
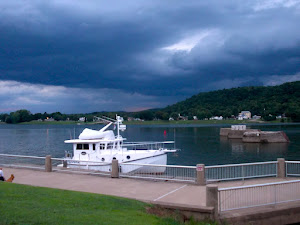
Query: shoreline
[162, 122]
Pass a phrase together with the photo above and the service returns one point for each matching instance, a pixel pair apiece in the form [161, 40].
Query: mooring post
[48, 163]
[212, 198]
[281, 173]
[200, 173]
[114, 169]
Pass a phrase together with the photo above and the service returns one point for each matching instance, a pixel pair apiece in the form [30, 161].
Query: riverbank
[159, 122]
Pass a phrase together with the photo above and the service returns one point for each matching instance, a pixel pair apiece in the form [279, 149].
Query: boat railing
[148, 145]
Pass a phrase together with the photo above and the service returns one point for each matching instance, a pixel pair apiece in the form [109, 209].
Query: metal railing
[158, 172]
[37, 162]
[86, 166]
[292, 168]
[241, 171]
[23, 161]
[258, 195]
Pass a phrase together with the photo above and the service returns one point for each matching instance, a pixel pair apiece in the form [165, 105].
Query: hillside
[275, 100]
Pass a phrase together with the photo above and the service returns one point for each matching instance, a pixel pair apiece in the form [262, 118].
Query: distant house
[216, 118]
[244, 115]
[49, 119]
[138, 119]
[130, 118]
[182, 117]
[81, 119]
[195, 118]
[171, 119]
[255, 117]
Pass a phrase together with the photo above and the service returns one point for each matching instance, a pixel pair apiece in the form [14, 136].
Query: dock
[188, 198]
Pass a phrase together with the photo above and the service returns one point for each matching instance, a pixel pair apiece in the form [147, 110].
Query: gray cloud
[163, 50]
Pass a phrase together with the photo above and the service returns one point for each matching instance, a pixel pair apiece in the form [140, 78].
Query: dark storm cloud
[149, 48]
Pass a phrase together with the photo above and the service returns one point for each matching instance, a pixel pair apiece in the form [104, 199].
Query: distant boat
[95, 150]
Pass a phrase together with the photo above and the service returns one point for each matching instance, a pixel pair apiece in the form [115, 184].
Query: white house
[216, 118]
[82, 119]
[244, 115]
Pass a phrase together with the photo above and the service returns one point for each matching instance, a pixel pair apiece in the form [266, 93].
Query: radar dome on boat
[87, 134]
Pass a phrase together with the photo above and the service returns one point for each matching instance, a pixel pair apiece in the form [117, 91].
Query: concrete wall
[255, 135]
[251, 137]
[224, 131]
[185, 212]
[236, 134]
[265, 137]
[284, 215]
[273, 137]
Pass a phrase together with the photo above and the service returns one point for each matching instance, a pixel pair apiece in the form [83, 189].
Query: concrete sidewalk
[149, 191]
[144, 190]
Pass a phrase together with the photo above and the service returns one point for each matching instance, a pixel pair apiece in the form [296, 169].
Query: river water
[197, 143]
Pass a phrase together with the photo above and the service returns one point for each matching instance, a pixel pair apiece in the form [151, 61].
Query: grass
[21, 204]
[51, 122]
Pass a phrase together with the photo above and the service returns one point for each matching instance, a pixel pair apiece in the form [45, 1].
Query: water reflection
[238, 147]
[198, 144]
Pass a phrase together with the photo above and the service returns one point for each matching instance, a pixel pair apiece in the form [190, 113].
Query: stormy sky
[84, 56]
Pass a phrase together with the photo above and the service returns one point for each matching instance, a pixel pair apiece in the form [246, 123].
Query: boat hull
[154, 160]
[160, 159]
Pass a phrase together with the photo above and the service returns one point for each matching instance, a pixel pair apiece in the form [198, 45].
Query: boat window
[82, 146]
[110, 145]
[94, 147]
[102, 146]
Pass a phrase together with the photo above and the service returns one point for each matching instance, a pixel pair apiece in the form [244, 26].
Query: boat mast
[118, 122]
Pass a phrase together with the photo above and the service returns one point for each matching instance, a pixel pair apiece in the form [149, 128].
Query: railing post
[212, 198]
[114, 169]
[48, 163]
[200, 173]
[281, 168]
[65, 163]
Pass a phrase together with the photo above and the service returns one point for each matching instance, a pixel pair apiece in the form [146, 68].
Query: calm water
[198, 144]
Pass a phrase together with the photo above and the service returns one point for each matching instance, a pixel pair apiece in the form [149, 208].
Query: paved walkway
[144, 190]
[159, 191]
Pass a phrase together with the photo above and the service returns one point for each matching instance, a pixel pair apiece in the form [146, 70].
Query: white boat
[95, 150]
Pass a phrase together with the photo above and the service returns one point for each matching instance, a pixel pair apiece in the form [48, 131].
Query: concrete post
[65, 163]
[200, 171]
[48, 163]
[212, 198]
[281, 173]
[114, 169]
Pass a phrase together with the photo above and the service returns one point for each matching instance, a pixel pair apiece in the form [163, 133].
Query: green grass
[21, 204]
[50, 122]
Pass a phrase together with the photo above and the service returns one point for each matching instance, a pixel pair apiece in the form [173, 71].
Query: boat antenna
[104, 128]
[109, 119]
[118, 122]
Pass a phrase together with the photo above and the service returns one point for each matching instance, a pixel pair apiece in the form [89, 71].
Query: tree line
[267, 102]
